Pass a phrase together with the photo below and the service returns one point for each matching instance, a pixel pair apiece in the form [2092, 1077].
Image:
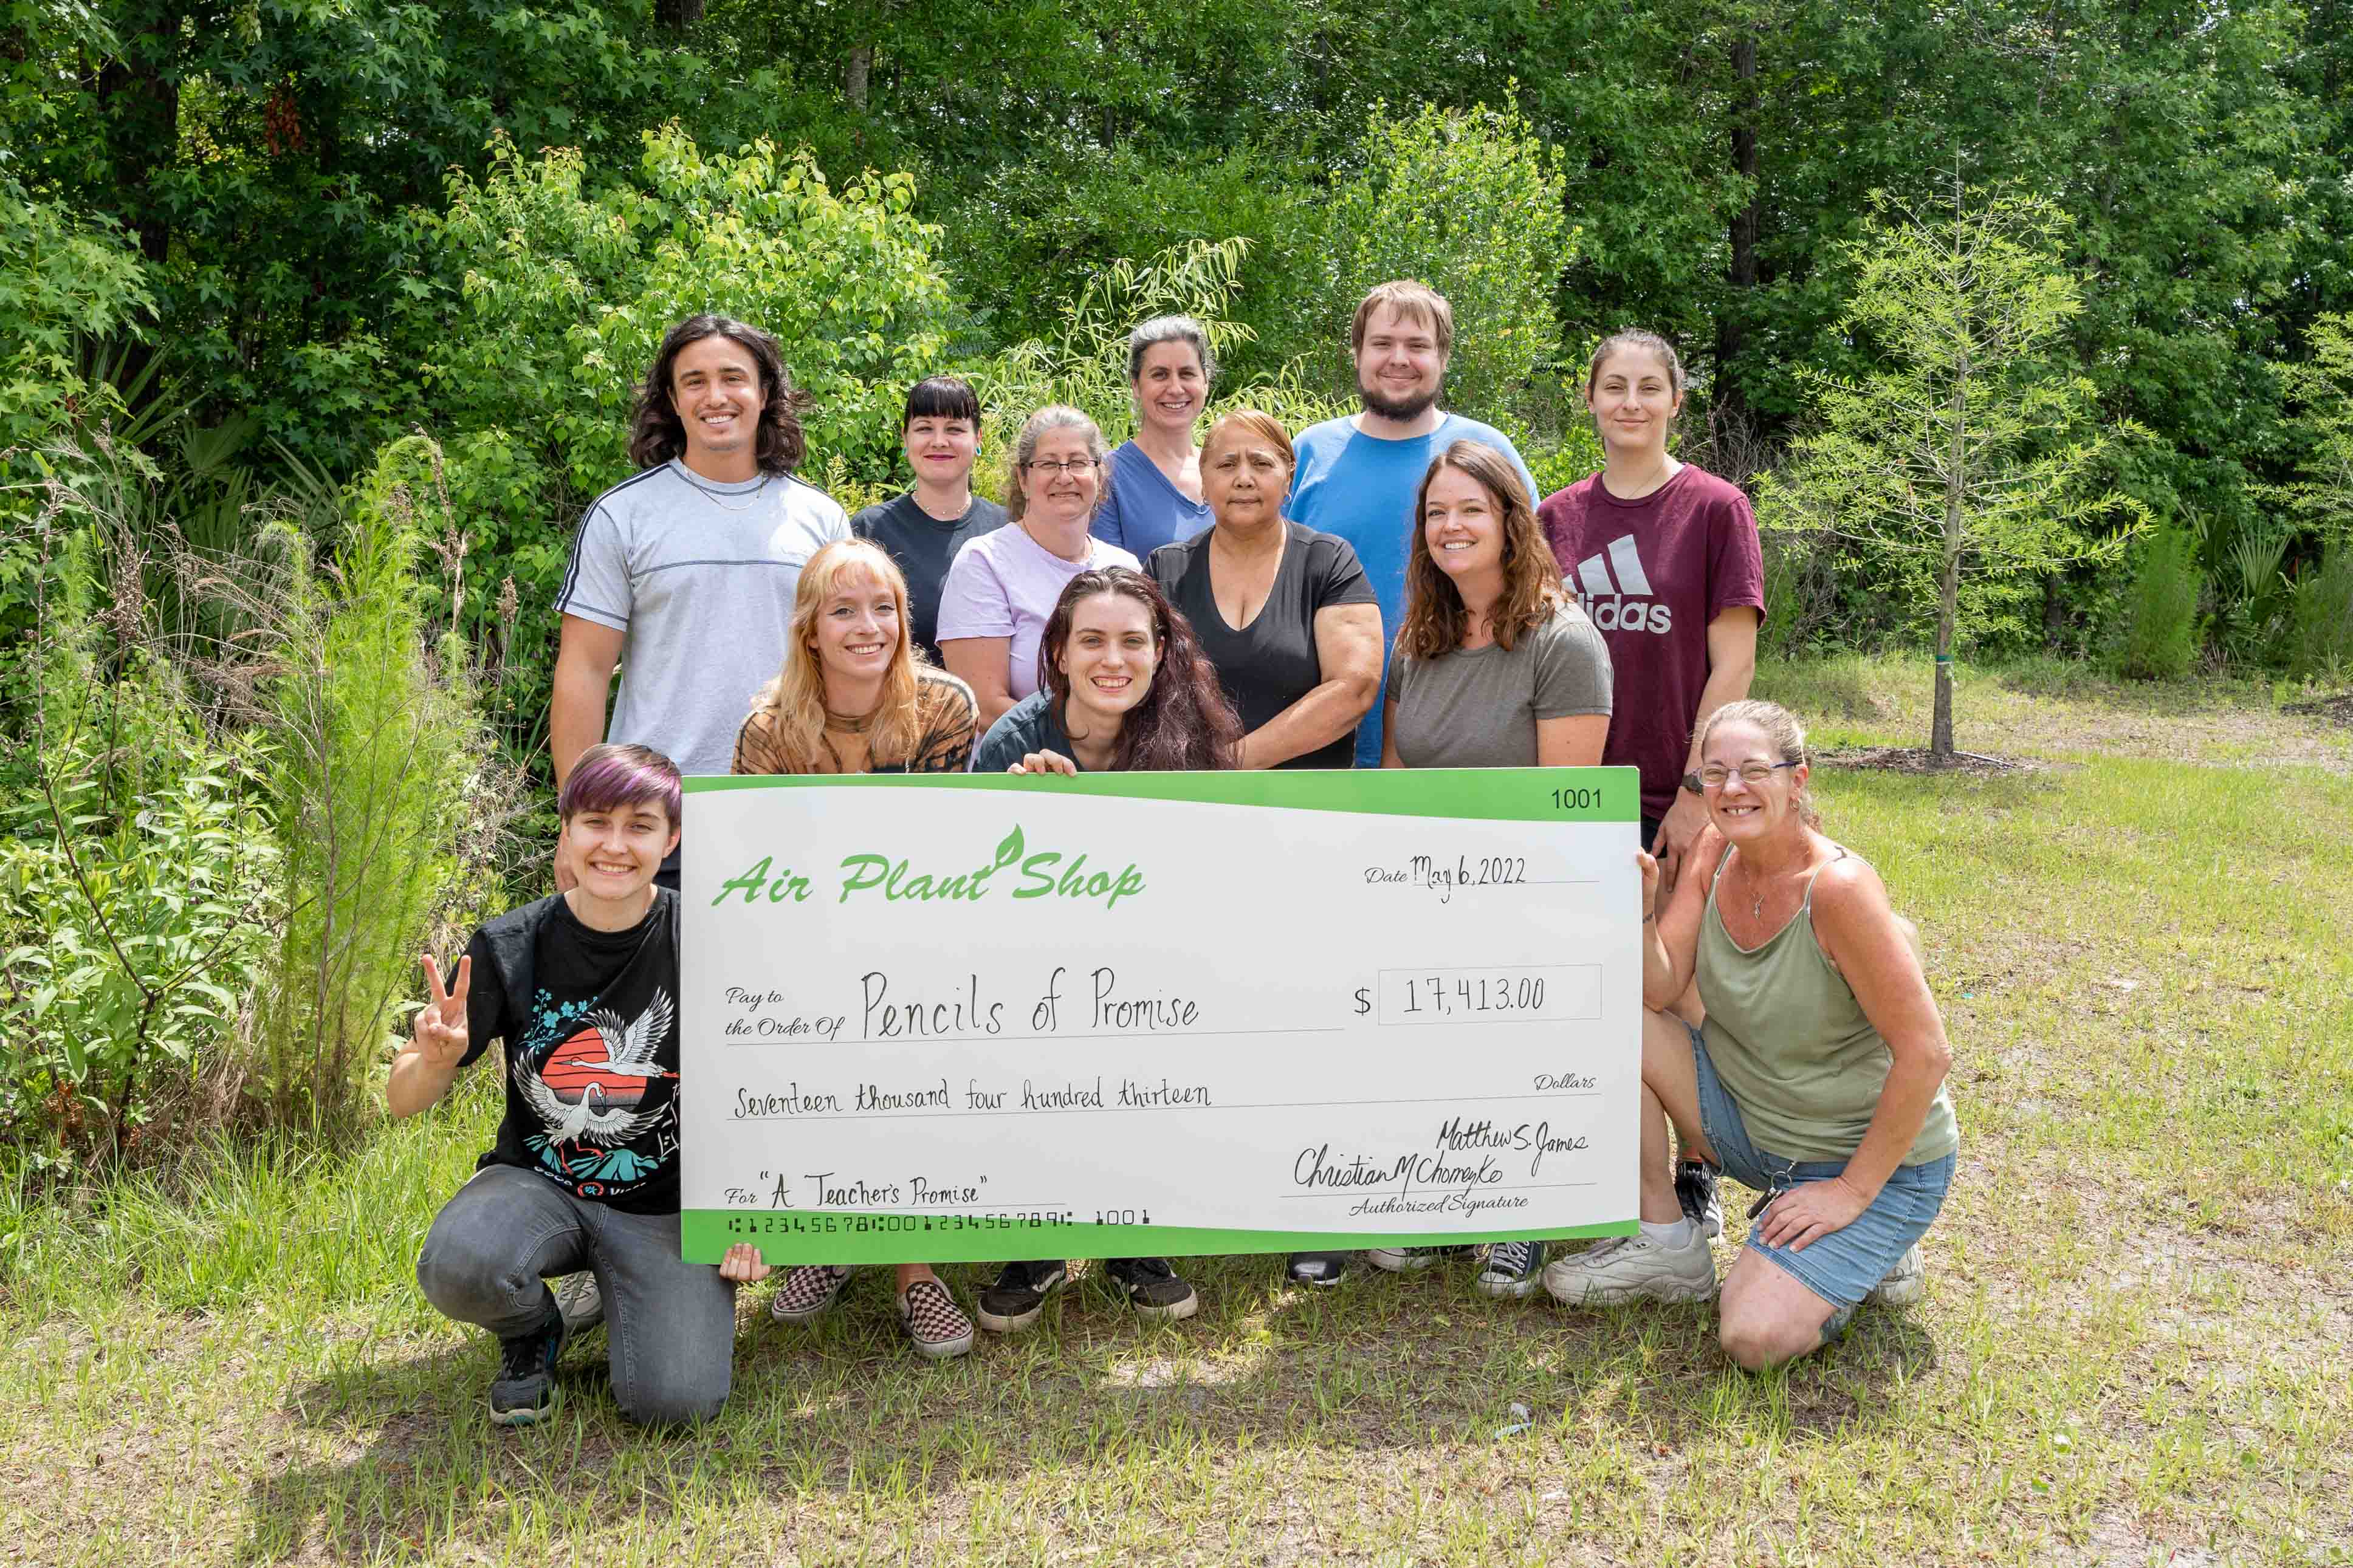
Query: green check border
[706, 1234]
[1490, 795]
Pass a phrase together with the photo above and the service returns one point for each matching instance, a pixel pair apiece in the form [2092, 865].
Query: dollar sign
[1364, 1003]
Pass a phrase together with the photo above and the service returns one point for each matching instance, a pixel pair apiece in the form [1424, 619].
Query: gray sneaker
[1905, 1283]
[1633, 1268]
[582, 1304]
[1410, 1259]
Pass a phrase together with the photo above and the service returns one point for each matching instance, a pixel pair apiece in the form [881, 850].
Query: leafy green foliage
[1084, 364]
[377, 748]
[1039, 232]
[63, 279]
[2320, 390]
[136, 889]
[259, 158]
[2160, 610]
[1469, 202]
[546, 300]
[2320, 615]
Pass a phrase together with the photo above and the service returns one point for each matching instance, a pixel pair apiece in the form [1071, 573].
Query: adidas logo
[1621, 603]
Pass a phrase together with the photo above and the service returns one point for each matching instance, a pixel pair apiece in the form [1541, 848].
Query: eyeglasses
[1714, 775]
[1076, 465]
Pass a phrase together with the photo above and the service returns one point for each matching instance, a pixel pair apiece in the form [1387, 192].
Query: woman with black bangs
[1122, 687]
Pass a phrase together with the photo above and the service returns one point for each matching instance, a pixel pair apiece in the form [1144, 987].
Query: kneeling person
[583, 990]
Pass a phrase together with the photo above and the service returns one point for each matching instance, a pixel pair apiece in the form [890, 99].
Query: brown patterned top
[946, 729]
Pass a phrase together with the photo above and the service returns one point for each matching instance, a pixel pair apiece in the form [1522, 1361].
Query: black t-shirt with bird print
[591, 1034]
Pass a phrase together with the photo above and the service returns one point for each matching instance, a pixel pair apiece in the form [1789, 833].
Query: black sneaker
[1318, 1268]
[1019, 1294]
[1695, 1185]
[525, 1391]
[1513, 1269]
[1152, 1287]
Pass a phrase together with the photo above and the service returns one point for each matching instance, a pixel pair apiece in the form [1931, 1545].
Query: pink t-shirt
[1651, 574]
[1006, 585]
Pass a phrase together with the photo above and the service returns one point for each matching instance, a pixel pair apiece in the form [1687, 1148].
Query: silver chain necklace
[751, 497]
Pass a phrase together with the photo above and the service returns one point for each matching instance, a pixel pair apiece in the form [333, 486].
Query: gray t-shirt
[698, 576]
[1479, 709]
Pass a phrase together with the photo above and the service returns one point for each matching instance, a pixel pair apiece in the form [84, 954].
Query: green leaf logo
[1009, 850]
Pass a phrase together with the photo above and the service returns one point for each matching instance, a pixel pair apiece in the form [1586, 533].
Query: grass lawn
[2136, 1346]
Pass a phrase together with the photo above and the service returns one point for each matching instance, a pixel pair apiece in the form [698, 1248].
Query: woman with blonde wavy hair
[854, 697]
[1495, 667]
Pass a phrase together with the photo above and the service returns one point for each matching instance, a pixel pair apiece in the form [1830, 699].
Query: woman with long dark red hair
[1122, 687]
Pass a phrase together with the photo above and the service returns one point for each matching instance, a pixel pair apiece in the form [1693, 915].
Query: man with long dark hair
[683, 576]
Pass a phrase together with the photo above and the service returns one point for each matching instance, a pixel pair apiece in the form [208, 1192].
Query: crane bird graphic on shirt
[588, 1092]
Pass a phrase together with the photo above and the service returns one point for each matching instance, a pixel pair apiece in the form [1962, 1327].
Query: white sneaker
[582, 1304]
[1634, 1268]
[1904, 1284]
[1403, 1260]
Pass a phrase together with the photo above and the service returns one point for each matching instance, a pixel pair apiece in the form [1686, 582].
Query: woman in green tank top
[1818, 1079]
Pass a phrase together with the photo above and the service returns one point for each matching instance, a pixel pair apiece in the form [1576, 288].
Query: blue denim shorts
[1843, 1266]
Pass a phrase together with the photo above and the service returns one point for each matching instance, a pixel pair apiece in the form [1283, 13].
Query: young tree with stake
[1968, 452]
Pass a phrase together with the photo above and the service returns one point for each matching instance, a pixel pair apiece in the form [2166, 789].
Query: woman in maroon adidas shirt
[1663, 557]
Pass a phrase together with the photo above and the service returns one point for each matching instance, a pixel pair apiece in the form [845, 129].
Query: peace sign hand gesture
[440, 1028]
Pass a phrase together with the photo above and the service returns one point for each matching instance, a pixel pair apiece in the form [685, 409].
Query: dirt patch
[2336, 709]
[1917, 760]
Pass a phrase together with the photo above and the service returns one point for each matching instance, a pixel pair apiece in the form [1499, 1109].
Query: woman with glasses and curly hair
[1003, 585]
[854, 697]
[1817, 1079]
[1122, 687]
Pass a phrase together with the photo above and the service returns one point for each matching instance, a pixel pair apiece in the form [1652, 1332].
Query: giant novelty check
[988, 1016]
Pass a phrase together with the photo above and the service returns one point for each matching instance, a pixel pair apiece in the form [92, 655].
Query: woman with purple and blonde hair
[581, 991]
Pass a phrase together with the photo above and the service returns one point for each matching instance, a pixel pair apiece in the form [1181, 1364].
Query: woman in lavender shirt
[1005, 584]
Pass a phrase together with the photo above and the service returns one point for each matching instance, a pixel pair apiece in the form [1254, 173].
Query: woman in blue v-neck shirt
[1152, 488]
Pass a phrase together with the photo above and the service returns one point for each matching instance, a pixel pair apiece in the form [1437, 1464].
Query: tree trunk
[859, 71]
[1948, 581]
[139, 103]
[1740, 275]
[678, 15]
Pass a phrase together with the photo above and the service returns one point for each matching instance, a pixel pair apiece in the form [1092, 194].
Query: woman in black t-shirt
[1122, 689]
[1284, 613]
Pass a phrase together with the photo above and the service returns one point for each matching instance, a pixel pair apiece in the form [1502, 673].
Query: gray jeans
[669, 1324]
